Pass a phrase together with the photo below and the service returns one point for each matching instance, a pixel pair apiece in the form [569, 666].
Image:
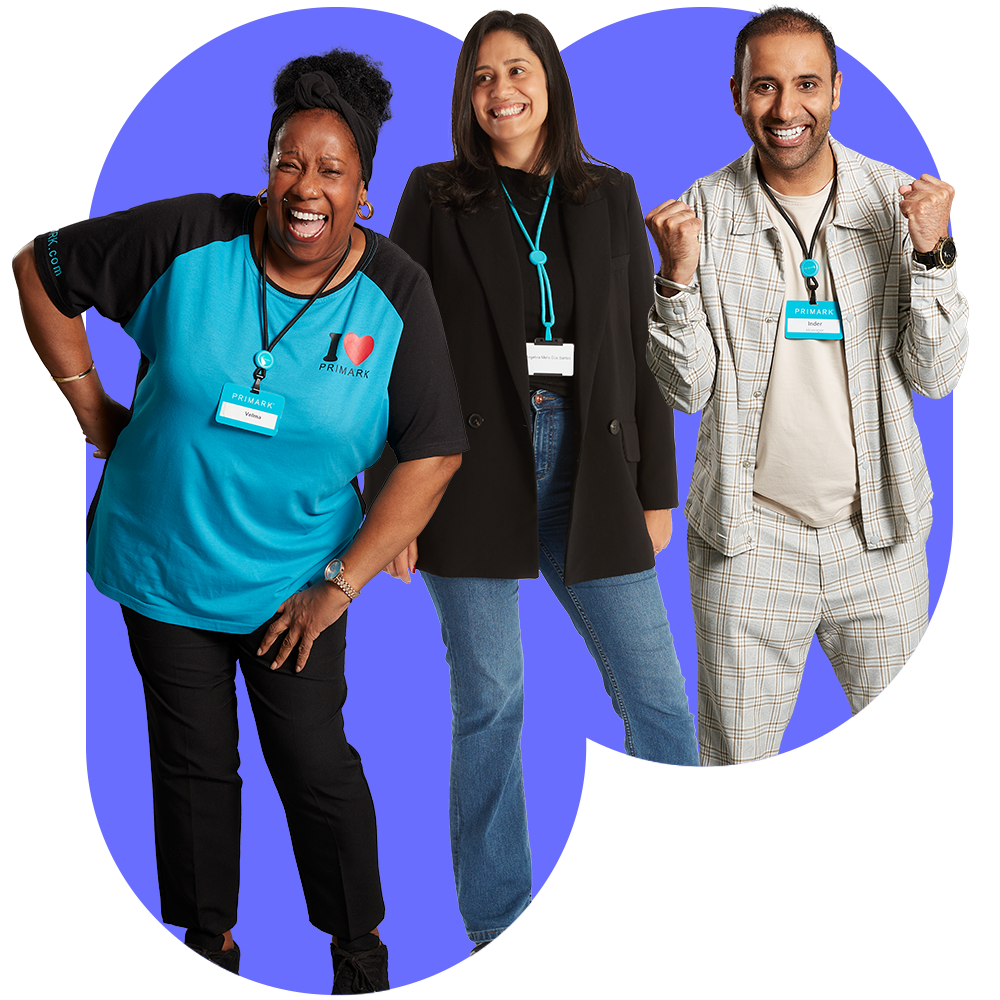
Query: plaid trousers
[756, 613]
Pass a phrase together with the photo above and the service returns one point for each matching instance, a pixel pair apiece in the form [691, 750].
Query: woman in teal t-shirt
[282, 344]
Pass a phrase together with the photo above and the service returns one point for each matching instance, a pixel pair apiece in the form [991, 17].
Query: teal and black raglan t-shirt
[212, 526]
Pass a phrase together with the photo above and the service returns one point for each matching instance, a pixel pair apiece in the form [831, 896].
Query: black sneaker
[228, 960]
[480, 946]
[360, 971]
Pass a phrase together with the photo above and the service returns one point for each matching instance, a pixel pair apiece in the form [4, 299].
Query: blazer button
[475, 420]
[614, 427]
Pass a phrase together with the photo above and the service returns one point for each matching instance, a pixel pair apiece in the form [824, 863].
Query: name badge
[253, 411]
[805, 321]
[550, 357]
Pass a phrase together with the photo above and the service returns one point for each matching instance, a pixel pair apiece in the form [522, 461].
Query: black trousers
[189, 678]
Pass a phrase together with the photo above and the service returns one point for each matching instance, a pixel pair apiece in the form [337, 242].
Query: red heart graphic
[358, 348]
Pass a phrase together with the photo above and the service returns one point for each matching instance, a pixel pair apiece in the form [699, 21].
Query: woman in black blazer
[571, 468]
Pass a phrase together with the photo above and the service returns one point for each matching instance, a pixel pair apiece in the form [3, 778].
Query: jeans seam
[457, 823]
[541, 441]
[629, 743]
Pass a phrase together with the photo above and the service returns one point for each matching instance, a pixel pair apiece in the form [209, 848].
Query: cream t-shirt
[806, 461]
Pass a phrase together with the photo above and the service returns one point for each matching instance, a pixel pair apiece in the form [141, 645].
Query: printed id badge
[550, 357]
[253, 411]
[805, 321]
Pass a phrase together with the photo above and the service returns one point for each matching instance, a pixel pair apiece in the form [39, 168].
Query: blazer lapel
[588, 232]
[491, 248]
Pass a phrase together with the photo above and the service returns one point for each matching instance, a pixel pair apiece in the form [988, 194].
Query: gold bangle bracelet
[73, 378]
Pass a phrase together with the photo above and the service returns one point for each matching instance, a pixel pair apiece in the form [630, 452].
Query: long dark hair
[469, 180]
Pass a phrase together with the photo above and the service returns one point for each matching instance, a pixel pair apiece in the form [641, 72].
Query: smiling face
[785, 101]
[313, 191]
[510, 98]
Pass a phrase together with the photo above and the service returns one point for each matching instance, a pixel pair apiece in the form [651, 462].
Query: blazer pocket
[617, 263]
[630, 440]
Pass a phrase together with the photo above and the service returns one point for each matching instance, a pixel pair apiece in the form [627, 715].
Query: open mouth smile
[787, 136]
[507, 111]
[306, 226]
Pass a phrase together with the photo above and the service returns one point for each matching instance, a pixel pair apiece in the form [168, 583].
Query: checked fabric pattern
[756, 613]
[710, 349]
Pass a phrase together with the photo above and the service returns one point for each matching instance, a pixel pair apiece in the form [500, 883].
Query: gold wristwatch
[943, 255]
[334, 572]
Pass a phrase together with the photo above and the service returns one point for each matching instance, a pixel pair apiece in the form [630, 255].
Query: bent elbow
[686, 397]
[691, 405]
[23, 263]
[444, 467]
[938, 388]
[937, 377]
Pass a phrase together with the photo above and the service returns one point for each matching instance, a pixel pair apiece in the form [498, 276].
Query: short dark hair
[781, 21]
[469, 180]
[357, 76]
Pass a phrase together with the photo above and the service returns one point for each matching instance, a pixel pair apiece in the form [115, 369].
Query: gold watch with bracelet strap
[334, 572]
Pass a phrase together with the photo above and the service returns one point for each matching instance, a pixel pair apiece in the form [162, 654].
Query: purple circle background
[665, 121]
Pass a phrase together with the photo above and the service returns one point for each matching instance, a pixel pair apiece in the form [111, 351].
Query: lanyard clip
[258, 375]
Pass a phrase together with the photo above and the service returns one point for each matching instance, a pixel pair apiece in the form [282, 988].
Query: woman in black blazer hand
[571, 468]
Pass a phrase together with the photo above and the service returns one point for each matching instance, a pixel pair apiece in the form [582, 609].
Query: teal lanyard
[538, 258]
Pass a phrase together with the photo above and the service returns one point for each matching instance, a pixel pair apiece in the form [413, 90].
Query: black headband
[318, 90]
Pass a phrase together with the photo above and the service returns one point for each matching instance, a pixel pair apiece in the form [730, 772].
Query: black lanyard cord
[259, 372]
[811, 283]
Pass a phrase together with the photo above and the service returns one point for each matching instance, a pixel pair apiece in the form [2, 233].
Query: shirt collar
[852, 209]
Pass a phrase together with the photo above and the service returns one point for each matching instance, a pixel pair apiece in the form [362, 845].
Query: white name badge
[253, 411]
[805, 321]
[550, 358]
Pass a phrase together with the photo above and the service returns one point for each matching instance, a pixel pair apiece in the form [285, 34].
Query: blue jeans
[624, 624]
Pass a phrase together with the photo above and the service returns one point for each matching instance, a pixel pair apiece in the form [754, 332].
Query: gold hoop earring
[262, 193]
[371, 211]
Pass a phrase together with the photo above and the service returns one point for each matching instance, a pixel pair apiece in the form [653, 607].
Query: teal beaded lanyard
[538, 258]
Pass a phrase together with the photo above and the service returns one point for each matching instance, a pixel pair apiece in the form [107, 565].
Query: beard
[788, 158]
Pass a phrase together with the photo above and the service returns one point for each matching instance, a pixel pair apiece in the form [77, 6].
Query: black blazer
[487, 522]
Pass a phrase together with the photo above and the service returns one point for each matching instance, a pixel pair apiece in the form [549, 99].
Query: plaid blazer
[710, 347]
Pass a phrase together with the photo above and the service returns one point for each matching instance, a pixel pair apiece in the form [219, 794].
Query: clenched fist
[675, 230]
[926, 206]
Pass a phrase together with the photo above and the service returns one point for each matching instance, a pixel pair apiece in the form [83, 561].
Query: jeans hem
[479, 937]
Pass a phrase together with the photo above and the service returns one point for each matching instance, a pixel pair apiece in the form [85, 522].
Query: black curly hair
[358, 77]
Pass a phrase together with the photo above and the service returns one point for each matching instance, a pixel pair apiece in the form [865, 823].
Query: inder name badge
[253, 411]
[808, 321]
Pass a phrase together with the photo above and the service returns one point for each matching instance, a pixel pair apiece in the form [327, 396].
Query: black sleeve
[657, 470]
[111, 262]
[425, 416]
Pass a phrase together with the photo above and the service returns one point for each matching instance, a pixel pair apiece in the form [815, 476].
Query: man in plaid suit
[803, 292]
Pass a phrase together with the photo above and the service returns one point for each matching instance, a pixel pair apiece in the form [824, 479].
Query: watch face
[947, 252]
[333, 569]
